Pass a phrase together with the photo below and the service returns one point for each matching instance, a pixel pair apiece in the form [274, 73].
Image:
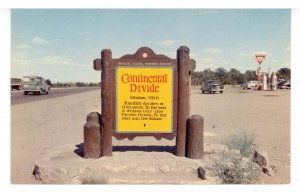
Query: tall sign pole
[259, 58]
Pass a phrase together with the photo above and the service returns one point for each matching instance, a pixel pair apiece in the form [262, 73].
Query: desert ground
[49, 133]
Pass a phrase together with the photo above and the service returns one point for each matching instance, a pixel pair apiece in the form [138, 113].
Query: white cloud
[23, 46]
[166, 42]
[171, 54]
[286, 64]
[207, 60]
[260, 53]
[206, 63]
[39, 40]
[20, 62]
[212, 50]
[57, 60]
[20, 59]
[252, 54]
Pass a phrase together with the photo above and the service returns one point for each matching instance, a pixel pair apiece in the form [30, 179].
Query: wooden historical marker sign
[144, 94]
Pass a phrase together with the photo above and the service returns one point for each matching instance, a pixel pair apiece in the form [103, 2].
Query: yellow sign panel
[144, 99]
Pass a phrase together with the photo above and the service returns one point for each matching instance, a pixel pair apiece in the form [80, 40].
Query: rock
[146, 169]
[40, 174]
[270, 170]
[165, 168]
[201, 173]
[261, 158]
[263, 161]
[72, 173]
[37, 173]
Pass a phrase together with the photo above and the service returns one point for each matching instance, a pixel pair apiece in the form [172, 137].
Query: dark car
[284, 85]
[212, 86]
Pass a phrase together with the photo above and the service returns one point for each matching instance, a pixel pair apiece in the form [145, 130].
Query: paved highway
[17, 97]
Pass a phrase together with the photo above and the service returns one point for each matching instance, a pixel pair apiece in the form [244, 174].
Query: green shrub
[232, 168]
[89, 179]
[243, 142]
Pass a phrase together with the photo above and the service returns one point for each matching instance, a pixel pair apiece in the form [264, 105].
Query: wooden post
[183, 60]
[106, 101]
[195, 137]
[92, 132]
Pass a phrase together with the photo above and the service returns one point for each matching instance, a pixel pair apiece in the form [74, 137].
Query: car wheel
[25, 92]
[221, 92]
[202, 92]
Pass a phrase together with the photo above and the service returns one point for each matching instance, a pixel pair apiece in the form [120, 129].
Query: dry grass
[94, 179]
[232, 168]
[243, 142]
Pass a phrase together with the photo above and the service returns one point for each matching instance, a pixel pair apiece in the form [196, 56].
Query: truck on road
[35, 85]
[15, 83]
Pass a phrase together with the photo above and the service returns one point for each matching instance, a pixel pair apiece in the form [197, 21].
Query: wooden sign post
[145, 94]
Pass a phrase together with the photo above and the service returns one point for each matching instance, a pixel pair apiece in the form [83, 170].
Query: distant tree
[78, 84]
[66, 85]
[208, 74]
[284, 73]
[48, 82]
[57, 84]
[221, 74]
[197, 77]
[249, 75]
[235, 76]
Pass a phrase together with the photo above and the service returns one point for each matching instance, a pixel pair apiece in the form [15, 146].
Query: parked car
[244, 85]
[280, 81]
[212, 86]
[35, 85]
[284, 85]
[250, 85]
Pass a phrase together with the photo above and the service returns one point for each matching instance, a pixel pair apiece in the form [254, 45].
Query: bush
[94, 180]
[232, 168]
[243, 142]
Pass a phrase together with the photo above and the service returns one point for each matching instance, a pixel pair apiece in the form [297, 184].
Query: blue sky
[61, 44]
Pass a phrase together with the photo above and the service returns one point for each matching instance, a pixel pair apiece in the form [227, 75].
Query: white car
[251, 85]
[35, 85]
